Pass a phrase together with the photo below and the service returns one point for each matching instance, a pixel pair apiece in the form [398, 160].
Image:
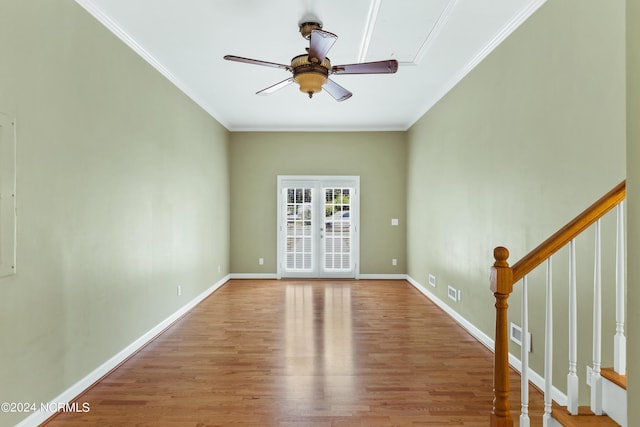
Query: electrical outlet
[394, 261]
[432, 280]
[179, 290]
[260, 261]
[394, 221]
[219, 268]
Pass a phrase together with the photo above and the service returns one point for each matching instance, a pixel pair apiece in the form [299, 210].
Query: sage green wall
[257, 158]
[122, 187]
[633, 197]
[525, 142]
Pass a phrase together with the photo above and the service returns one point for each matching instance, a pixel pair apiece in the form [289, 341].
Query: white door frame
[326, 180]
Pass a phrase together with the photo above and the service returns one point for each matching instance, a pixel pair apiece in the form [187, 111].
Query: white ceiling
[437, 42]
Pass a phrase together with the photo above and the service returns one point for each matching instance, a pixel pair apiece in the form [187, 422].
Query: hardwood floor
[303, 353]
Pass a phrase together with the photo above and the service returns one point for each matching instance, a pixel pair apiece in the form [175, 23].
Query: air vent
[432, 280]
[515, 333]
[453, 293]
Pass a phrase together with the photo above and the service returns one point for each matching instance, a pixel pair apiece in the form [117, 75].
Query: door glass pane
[299, 230]
[337, 226]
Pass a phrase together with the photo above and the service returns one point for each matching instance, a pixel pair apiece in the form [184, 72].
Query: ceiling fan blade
[256, 62]
[379, 67]
[336, 91]
[276, 87]
[319, 44]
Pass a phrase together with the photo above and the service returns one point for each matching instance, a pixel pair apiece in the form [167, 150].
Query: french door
[318, 226]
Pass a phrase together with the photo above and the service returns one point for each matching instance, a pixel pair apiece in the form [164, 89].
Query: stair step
[614, 377]
[585, 417]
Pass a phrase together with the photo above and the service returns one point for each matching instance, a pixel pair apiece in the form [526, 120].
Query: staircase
[608, 396]
[614, 405]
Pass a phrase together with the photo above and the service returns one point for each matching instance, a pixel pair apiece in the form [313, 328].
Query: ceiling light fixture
[311, 70]
[310, 76]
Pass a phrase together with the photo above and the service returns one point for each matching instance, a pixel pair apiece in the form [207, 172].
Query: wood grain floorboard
[304, 353]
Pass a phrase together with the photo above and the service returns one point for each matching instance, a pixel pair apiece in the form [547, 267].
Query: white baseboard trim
[267, 276]
[558, 396]
[470, 327]
[487, 341]
[255, 276]
[78, 388]
[383, 277]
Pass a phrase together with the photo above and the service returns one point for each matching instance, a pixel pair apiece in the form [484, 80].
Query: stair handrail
[503, 277]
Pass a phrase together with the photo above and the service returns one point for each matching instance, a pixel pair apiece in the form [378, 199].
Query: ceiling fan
[311, 71]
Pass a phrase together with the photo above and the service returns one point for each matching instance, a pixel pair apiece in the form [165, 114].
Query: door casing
[320, 181]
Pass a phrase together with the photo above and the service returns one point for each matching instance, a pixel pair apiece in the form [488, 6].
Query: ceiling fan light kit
[310, 76]
[311, 71]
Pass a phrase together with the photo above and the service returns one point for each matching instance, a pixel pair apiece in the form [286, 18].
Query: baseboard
[382, 277]
[470, 327]
[268, 276]
[487, 341]
[255, 276]
[538, 380]
[78, 388]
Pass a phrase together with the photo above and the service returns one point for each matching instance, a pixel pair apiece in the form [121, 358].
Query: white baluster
[572, 376]
[547, 420]
[596, 379]
[620, 341]
[524, 356]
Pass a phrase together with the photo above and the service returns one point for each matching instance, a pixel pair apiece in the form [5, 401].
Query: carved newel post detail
[501, 286]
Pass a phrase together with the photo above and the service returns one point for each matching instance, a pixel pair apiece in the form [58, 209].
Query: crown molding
[113, 26]
[497, 39]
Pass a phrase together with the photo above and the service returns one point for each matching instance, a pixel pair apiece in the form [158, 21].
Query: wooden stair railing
[503, 277]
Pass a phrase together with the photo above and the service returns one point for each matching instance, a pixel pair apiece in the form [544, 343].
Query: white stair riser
[614, 402]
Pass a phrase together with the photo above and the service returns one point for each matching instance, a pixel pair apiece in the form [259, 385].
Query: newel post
[501, 286]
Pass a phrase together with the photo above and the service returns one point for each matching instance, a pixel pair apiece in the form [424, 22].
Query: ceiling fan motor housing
[307, 27]
[310, 76]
